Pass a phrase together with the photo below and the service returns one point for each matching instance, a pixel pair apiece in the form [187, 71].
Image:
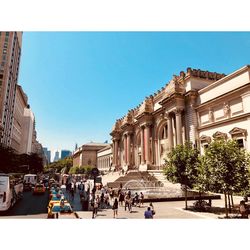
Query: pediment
[219, 135]
[237, 131]
[205, 138]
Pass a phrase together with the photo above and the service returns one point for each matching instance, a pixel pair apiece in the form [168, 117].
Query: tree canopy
[11, 161]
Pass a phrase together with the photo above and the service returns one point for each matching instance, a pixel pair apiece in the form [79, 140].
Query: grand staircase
[135, 179]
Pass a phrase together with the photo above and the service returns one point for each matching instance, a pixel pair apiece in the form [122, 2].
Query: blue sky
[79, 83]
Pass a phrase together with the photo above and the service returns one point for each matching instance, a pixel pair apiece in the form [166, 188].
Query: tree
[181, 166]
[228, 168]
[62, 165]
[13, 162]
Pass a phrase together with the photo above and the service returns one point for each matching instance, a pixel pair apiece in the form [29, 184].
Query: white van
[30, 178]
[11, 190]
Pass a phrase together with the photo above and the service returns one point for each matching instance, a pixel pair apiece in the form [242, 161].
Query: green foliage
[62, 165]
[81, 170]
[181, 164]
[228, 166]
[13, 162]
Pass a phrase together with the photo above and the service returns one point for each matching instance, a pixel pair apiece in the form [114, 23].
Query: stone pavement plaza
[164, 210]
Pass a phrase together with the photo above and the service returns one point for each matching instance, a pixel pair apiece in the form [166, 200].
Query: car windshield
[39, 186]
[56, 198]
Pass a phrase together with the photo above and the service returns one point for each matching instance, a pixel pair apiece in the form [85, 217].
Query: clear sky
[79, 83]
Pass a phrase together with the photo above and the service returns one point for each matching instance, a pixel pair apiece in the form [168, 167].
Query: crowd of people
[107, 198]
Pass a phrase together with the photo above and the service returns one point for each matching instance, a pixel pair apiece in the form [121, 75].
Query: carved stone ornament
[226, 110]
[220, 135]
[210, 115]
[205, 139]
[238, 132]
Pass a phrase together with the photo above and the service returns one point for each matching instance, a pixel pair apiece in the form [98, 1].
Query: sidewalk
[164, 210]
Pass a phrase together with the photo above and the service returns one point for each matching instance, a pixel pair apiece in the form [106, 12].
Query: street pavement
[35, 207]
[30, 206]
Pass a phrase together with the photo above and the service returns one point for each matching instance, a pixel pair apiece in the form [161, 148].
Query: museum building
[196, 106]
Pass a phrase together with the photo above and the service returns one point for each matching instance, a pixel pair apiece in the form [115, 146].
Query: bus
[11, 190]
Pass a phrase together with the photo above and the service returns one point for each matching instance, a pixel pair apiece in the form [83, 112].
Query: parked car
[39, 189]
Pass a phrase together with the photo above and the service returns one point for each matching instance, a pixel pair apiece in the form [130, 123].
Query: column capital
[167, 115]
[128, 133]
[178, 111]
[145, 125]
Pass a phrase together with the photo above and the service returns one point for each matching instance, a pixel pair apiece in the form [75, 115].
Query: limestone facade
[105, 159]
[86, 155]
[21, 102]
[194, 106]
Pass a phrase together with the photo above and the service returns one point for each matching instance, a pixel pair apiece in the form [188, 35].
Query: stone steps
[135, 179]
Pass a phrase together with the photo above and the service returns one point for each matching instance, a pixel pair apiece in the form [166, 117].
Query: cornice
[226, 78]
[218, 98]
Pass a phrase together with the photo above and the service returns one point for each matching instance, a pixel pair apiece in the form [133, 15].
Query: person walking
[72, 193]
[111, 194]
[106, 199]
[136, 199]
[148, 214]
[152, 208]
[141, 199]
[121, 198]
[95, 206]
[126, 201]
[115, 208]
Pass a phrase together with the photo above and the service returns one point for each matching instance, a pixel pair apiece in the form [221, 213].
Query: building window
[240, 142]
[7, 33]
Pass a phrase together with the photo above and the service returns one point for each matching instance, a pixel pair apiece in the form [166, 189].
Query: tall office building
[56, 158]
[28, 131]
[47, 154]
[10, 53]
[65, 153]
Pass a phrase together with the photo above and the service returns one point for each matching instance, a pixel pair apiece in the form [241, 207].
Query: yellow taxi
[54, 209]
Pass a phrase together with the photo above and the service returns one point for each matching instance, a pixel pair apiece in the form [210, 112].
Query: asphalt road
[33, 205]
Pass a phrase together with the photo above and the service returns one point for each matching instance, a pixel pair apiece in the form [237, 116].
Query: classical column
[116, 153]
[142, 146]
[125, 149]
[128, 149]
[170, 131]
[178, 126]
[147, 144]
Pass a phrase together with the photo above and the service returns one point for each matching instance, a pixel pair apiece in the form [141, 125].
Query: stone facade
[105, 158]
[86, 155]
[194, 106]
[10, 54]
[21, 102]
